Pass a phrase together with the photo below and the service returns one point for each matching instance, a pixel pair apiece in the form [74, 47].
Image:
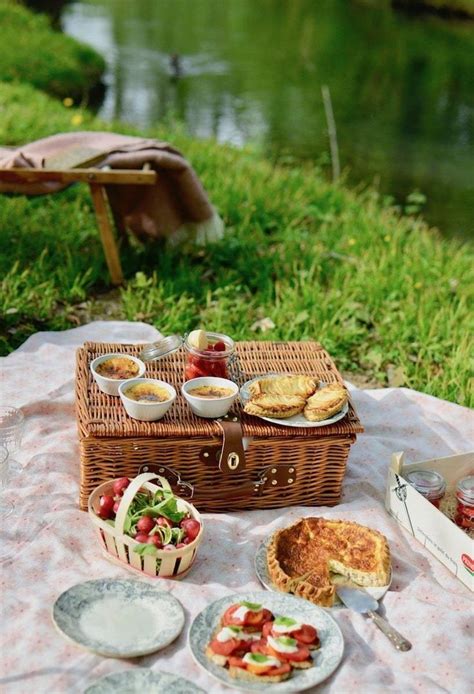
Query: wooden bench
[96, 179]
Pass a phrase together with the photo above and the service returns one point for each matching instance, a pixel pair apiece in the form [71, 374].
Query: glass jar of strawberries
[207, 354]
[465, 503]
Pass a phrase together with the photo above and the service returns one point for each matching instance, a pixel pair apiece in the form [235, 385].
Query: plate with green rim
[143, 681]
[325, 659]
[118, 618]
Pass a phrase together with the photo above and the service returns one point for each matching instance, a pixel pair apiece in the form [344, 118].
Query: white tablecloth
[58, 548]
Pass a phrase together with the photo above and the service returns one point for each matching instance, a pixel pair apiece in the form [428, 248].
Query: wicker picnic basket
[241, 463]
[119, 547]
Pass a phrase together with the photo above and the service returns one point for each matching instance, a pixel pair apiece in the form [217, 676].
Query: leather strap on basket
[232, 457]
[275, 477]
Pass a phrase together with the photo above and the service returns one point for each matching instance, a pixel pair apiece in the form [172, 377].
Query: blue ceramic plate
[326, 659]
[143, 681]
[118, 618]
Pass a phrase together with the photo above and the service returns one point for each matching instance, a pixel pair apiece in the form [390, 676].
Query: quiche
[303, 558]
[302, 386]
[325, 403]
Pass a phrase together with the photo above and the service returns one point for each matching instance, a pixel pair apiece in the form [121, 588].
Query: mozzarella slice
[228, 633]
[283, 644]
[285, 625]
[242, 611]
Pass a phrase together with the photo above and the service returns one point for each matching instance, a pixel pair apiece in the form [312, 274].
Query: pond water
[402, 87]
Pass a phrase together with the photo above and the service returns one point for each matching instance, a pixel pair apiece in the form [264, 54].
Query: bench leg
[99, 198]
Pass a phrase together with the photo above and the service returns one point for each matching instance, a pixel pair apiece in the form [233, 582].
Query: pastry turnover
[276, 406]
[302, 558]
[325, 402]
[304, 386]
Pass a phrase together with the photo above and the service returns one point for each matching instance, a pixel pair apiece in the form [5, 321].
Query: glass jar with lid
[210, 360]
[428, 483]
[465, 503]
[207, 356]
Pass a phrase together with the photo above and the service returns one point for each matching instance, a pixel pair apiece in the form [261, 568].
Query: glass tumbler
[12, 425]
[5, 507]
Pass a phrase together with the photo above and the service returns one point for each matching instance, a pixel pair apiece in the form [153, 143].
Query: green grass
[32, 52]
[382, 292]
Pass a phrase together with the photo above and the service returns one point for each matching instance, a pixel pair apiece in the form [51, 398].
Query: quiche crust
[301, 558]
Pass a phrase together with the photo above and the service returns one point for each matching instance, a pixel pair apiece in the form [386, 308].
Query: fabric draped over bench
[176, 200]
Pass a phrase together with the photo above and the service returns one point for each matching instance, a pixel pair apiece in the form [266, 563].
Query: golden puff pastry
[276, 406]
[325, 402]
[303, 386]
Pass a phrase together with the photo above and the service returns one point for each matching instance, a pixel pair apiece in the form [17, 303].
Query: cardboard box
[424, 521]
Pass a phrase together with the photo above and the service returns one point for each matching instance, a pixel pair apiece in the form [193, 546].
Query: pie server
[362, 602]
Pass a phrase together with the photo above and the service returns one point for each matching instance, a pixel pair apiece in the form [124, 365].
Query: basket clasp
[185, 489]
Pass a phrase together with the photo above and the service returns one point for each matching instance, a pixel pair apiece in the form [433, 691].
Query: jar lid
[426, 481]
[466, 487]
[156, 350]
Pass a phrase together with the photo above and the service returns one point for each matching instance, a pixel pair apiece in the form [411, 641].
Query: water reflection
[402, 87]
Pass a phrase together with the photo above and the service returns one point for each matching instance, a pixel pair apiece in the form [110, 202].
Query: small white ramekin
[111, 385]
[146, 411]
[207, 407]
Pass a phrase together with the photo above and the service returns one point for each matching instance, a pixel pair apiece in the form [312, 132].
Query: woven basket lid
[103, 416]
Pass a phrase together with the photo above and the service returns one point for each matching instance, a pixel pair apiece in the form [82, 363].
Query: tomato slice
[254, 619]
[297, 657]
[229, 620]
[236, 662]
[307, 635]
[267, 629]
[258, 619]
[259, 646]
[224, 647]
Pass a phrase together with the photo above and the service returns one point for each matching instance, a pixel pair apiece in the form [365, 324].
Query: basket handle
[130, 492]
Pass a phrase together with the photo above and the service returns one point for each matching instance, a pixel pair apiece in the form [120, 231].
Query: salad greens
[162, 503]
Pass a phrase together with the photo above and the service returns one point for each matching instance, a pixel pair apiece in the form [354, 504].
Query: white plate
[298, 420]
[143, 681]
[261, 569]
[118, 618]
[326, 659]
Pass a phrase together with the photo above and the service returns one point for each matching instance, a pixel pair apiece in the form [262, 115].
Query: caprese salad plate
[118, 618]
[141, 681]
[261, 640]
[263, 575]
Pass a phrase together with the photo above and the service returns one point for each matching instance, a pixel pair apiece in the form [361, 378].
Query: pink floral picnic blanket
[56, 547]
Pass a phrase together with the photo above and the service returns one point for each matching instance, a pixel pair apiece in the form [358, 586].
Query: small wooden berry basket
[119, 547]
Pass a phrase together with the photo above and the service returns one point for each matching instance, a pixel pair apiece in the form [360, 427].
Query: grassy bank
[32, 52]
[387, 296]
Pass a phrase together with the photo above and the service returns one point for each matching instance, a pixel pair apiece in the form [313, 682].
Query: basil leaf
[285, 621]
[258, 658]
[252, 606]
